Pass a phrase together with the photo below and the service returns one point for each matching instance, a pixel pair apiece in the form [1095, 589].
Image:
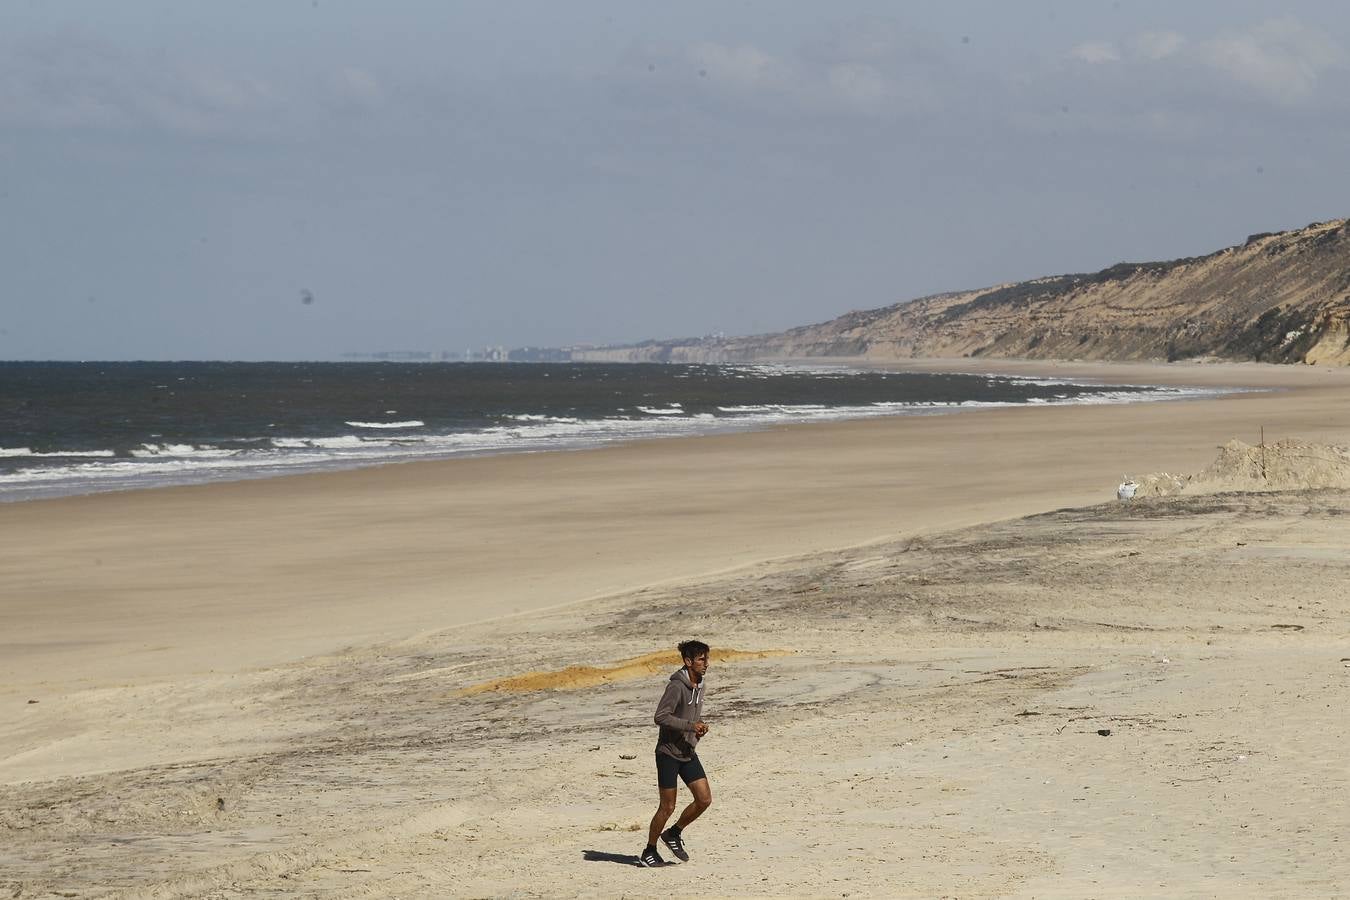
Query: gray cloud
[868, 69]
[1154, 84]
[357, 87]
[797, 84]
[1280, 60]
[72, 80]
[1155, 45]
[1095, 52]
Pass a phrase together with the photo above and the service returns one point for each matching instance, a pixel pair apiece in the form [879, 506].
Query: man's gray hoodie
[680, 709]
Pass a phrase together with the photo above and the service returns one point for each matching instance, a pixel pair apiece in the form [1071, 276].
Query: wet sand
[292, 648]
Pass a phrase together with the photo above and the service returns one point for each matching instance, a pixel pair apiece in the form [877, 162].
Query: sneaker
[651, 859]
[676, 844]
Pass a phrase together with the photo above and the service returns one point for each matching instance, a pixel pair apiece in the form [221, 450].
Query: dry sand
[261, 687]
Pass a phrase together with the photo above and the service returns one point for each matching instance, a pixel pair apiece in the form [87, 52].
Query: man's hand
[700, 729]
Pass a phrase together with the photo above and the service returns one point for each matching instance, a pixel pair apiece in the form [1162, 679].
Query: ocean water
[72, 428]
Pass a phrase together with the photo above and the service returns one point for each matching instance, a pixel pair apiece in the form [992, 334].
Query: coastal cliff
[1279, 297]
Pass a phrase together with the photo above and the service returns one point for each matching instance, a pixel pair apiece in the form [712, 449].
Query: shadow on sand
[629, 859]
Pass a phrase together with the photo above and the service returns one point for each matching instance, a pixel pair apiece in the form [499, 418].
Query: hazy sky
[177, 178]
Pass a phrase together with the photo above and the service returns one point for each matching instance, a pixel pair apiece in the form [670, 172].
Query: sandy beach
[261, 687]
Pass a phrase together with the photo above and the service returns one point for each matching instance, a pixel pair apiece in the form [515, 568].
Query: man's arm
[665, 711]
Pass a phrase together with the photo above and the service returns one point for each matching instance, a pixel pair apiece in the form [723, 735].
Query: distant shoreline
[378, 436]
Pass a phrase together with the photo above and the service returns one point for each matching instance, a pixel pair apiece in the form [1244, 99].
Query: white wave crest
[57, 454]
[341, 442]
[773, 408]
[181, 451]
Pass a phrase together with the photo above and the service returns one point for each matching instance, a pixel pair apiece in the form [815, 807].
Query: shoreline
[145, 470]
[97, 586]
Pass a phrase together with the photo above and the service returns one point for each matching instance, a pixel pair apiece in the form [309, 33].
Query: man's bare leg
[664, 810]
[702, 800]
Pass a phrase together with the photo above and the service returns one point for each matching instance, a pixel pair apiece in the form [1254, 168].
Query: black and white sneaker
[651, 859]
[676, 844]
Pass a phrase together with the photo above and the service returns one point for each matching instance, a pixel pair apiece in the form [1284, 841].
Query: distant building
[490, 353]
[538, 354]
[394, 355]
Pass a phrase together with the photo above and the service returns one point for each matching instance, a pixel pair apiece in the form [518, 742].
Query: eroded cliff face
[1281, 297]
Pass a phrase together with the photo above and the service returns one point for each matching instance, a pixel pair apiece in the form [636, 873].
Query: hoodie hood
[682, 676]
[680, 709]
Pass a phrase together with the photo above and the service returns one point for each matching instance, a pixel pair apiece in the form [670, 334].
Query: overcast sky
[178, 178]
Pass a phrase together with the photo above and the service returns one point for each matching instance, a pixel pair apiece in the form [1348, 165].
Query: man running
[680, 715]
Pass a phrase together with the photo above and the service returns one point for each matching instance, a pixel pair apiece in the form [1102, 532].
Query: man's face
[698, 664]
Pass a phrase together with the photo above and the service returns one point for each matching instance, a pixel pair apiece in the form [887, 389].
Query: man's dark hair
[692, 649]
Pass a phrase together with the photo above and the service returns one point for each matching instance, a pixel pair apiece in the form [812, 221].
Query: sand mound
[574, 677]
[1285, 465]
[1160, 484]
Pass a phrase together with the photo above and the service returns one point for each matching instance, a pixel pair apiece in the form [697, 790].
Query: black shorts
[667, 767]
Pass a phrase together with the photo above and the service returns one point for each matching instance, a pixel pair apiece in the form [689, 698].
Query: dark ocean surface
[71, 428]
